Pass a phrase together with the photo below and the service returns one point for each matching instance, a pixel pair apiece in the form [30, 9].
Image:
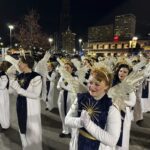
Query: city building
[100, 33]
[64, 22]
[125, 26]
[68, 41]
[104, 48]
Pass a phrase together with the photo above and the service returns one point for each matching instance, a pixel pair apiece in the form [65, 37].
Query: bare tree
[28, 32]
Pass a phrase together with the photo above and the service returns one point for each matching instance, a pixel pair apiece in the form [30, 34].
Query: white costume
[32, 139]
[108, 137]
[145, 100]
[64, 104]
[127, 122]
[4, 102]
[138, 115]
[41, 68]
[52, 95]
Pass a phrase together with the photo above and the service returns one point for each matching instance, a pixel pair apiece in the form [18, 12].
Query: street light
[1, 44]
[11, 27]
[50, 41]
[80, 40]
[80, 46]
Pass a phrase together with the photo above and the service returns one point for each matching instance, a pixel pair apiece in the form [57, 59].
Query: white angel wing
[76, 63]
[129, 61]
[116, 93]
[139, 65]
[13, 61]
[41, 66]
[46, 56]
[81, 73]
[76, 86]
[147, 70]
[60, 61]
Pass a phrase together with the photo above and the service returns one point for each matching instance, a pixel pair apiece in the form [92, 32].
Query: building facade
[125, 26]
[100, 33]
[115, 47]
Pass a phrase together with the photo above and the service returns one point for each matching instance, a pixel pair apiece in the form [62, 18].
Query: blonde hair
[102, 74]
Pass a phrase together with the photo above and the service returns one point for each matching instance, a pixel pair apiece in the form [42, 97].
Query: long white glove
[85, 118]
[15, 85]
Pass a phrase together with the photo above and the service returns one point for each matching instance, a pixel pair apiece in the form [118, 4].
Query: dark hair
[28, 60]
[116, 79]
[4, 65]
[71, 65]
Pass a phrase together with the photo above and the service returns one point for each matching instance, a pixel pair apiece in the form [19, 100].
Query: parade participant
[95, 120]
[4, 99]
[41, 68]
[127, 115]
[28, 86]
[145, 96]
[51, 87]
[87, 63]
[137, 114]
[65, 99]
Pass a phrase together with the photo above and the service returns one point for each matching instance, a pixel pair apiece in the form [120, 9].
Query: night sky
[83, 13]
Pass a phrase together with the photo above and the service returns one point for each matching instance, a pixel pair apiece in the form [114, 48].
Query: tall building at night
[64, 22]
[125, 26]
[100, 33]
[68, 41]
[64, 16]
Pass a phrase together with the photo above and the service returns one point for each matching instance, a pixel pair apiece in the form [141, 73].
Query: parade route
[51, 127]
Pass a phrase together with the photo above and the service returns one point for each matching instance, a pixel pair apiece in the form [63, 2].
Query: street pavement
[51, 127]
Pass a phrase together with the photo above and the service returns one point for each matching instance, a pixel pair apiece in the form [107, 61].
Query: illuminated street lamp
[74, 50]
[1, 44]
[50, 41]
[135, 38]
[80, 44]
[11, 27]
[80, 40]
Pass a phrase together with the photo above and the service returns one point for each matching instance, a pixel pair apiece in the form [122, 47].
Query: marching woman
[51, 87]
[126, 116]
[28, 86]
[65, 99]
[145, 96]
[4, 99]
[95, 120]
[86, 62]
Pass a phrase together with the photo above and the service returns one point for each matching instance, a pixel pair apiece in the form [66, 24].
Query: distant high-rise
[68, 40]
[100, 33]
[64, 20]
[65, 15]
[125, 26]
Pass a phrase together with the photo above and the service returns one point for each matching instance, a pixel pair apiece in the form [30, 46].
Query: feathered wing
[60, 62]
[41, 66]
[120, 92]
[81, 72]
[13, 61]
[76, 63]
[129, 61]
[75, 84]
[139, 65]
